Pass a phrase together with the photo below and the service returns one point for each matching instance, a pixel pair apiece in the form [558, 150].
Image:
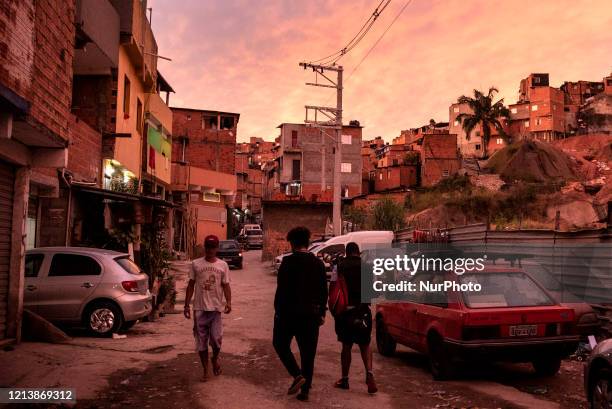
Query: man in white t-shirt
[209, 281]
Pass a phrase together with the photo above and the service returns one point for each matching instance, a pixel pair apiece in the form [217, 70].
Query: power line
[363, 31]
[379, 39]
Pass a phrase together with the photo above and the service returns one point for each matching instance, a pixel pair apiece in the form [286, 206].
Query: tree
[486, 113]
[388, 215]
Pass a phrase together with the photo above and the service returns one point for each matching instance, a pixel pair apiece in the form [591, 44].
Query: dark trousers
[306, 333]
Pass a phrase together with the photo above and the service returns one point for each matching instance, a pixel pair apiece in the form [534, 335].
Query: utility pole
[329, 118]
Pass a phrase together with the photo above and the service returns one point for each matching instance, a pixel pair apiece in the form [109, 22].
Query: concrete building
[472, 146]
[203, 175]
[304, 164]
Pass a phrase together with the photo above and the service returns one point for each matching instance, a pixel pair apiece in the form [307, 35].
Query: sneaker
[342, 383]
[372, 388]
[296, 385]
[302, 396]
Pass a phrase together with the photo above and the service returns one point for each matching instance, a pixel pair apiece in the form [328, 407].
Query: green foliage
[412, 158]
[388, 215]
[155, 257]
[357, 215]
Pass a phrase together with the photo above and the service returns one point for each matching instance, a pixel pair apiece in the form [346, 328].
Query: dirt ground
[156, 367]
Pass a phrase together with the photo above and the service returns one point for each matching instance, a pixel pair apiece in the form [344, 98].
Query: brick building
[204, 179]
[305, 163]
[251, 157]
[439, 157]
[369, 161]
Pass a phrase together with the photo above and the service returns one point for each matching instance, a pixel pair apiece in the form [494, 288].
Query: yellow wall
[128, 150]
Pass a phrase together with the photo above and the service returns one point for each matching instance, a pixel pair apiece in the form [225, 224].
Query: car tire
[385, 343]
[440, 362]
[103, 318]
[600, 386]
[547, 366]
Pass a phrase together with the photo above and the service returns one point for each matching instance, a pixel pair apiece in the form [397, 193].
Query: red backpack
[338, 296]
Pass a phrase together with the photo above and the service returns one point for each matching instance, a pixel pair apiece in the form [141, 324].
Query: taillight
[130, 286]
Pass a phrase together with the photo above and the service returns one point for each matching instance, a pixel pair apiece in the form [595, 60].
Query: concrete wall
[280, 217]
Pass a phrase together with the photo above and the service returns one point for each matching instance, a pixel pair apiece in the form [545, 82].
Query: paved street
[156, 367]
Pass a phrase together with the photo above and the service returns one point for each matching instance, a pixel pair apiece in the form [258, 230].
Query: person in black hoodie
[299, 305]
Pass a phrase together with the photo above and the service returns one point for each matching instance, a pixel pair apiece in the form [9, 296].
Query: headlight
[239, 254]
[588, 318]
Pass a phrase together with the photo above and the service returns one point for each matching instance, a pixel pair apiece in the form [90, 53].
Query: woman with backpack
[353, 319]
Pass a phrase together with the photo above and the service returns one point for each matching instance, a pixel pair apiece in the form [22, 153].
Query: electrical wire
[363, 31]
[379, 39]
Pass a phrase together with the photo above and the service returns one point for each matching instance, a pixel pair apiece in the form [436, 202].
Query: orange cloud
[242, 56]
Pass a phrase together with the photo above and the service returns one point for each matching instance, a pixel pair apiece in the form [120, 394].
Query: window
[345, 167]
[554, 107]
[380, 176]
[294, 139]
[227, 122]
[456, 123]
[477, 133]
[347, 139]
[128, 265]
[536, 80]
[504, 290]
[64, 265]
[32, 264]
[209, 121]
[455, 109]
[295, 170]
[514, 110]
[538, 121]
[534, 107]
[331, 249]
[500, 141]
[126, 96]
[445, 173]
[139, 116]
[477, 146]
[526, 124]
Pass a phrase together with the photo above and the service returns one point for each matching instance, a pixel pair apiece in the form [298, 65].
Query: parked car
[512, 318]
[587, 322]
[598, 376]
[229, 250]
[254, 239]
[103, 290]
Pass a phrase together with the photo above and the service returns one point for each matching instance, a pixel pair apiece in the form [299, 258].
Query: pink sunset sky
[242, 55]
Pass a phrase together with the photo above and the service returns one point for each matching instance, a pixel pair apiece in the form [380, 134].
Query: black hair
[352, 249]
[299, 237]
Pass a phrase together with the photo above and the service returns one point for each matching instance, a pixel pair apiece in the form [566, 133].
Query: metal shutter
[7, 183]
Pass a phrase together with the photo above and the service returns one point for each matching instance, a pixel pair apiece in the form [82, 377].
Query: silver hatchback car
[102, 289]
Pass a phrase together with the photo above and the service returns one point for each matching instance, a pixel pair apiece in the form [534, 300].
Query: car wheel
[547, 366]
[440, 362]
[103, 318]
[384, 341]
[601, 389]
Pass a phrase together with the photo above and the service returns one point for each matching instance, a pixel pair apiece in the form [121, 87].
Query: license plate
[523, 330]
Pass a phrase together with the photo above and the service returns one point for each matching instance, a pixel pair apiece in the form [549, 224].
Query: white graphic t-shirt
[208, 290]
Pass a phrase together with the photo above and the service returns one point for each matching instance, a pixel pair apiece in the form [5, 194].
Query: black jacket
[301, 290]
[350, 268]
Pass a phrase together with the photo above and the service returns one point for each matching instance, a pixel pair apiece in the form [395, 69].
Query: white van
[368, 239]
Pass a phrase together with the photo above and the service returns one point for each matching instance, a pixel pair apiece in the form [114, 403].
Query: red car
[512, 319]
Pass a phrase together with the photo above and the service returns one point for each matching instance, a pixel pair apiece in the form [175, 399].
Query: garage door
[7, 182]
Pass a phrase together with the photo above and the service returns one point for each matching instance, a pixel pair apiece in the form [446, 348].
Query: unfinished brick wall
[440, 158]
[212, 149]
[280, 217]
[36, 52]
[94, 100]
[84, 151]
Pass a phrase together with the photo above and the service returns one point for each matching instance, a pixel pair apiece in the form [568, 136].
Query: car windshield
[128, 265]
[253, 232]
[504, 290]
[228, 245]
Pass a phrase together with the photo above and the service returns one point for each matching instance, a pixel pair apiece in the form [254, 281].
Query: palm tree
[486, 113]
